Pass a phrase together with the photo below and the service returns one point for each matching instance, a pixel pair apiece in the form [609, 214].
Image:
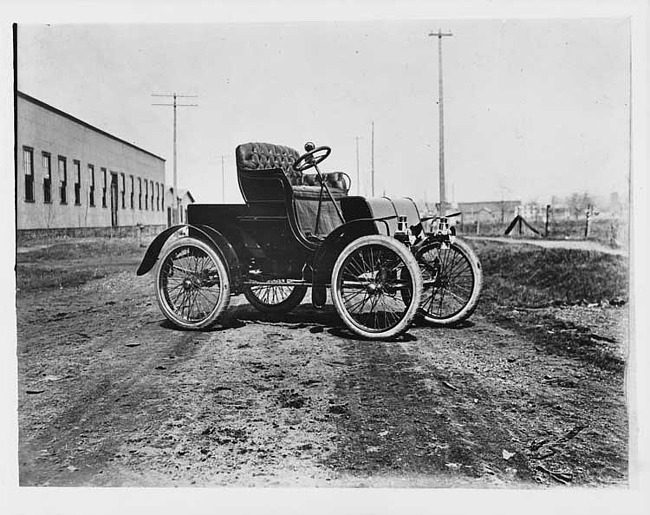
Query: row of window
[154, 192]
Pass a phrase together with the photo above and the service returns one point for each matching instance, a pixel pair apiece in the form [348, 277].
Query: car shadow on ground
[302, 317]
[465, 324]
[227, 324]
[320, 320]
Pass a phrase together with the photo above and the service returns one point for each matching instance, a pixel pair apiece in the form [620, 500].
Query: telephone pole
[223, 181]
[372, 158]
[175, 105]
[441, 153]
[358, 180]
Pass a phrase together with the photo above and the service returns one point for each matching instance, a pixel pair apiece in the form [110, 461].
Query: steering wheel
[312, 157]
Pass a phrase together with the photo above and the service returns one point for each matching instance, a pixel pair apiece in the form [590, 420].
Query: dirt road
[111, 395]
[556, 244]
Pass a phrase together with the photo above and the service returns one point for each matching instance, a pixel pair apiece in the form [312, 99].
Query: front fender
[202, 232]
[334, 244]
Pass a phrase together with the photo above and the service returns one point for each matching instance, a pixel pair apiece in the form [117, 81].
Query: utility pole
[441, 153]
[372, 158]
[175, 105]
[358, 177]
[223, 181]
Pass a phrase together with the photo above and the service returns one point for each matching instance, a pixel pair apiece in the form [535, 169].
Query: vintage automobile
[382, 263]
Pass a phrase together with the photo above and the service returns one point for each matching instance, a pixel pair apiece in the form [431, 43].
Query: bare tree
[579, 203]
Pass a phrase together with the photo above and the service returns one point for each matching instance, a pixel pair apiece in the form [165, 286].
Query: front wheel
[280, 297]
[192, 286]
[370, 281]
[452, 280]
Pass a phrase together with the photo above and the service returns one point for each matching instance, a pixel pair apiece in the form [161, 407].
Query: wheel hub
[374, 288]
[187, 284]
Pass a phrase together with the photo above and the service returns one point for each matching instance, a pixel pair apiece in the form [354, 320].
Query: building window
[28, 168]
[157, 196]
[104, 185]
[146, 194]
[140, 193]
[63, 180]
[91, 187]
[47, 178]
[152, 195]
[77, 182]
[132, 191]
[123, 177]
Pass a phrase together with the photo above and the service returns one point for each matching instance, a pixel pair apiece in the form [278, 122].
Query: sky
[532, 108]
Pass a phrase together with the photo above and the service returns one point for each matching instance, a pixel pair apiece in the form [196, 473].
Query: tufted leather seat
[267, 156]
[315, 214]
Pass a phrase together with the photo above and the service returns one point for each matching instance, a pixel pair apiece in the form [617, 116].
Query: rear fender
[204, 233]
[151, 256]
[227, 251]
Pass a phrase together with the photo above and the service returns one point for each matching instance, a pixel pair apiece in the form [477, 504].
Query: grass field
[516, 275]
[525, 276]
[572, 302]
[72, 262]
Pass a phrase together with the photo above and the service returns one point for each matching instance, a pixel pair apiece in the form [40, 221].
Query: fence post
[587, 217]
[548, 211]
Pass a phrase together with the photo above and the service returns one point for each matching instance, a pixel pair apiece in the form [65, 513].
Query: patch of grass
[519, 277]
[68, 263]
[42, 278]
[75, 249]
[528, 276]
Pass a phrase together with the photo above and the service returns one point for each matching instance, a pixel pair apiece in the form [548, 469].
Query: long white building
[73, 176]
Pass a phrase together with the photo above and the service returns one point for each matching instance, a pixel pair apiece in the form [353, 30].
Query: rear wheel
[192, 286]
[452, 280]
[376, 287]
[277, 298]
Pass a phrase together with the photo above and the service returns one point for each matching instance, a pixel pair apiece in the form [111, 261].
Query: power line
[175, 105]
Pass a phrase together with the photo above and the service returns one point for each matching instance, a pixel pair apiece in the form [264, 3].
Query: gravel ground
[110, 394]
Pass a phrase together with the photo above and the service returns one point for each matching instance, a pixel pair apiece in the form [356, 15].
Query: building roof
[42, 104]
[181, 193]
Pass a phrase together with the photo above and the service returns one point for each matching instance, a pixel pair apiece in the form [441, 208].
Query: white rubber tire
[215, 309]
[472, 261]
[412, 306]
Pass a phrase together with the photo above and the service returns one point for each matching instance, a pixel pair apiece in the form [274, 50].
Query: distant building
[560, 209]
[185, 198]
[533, 211]
[73, 176]
[494, 211]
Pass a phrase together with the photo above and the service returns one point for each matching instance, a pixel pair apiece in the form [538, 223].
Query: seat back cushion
[252, 157]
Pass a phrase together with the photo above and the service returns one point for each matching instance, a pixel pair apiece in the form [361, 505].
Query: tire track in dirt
[255, 414]
[399, 422]
[96, 389]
